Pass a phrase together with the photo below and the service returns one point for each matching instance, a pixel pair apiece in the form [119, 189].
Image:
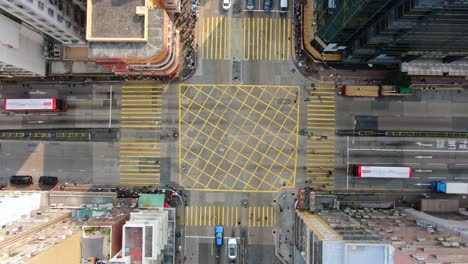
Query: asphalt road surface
[431, 159]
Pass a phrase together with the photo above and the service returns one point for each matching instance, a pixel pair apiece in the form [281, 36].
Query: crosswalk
[321, 140]
[140, 130]
[246, 38]
[257, 216]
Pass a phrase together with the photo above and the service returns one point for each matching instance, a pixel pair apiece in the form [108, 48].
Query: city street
[431, 159]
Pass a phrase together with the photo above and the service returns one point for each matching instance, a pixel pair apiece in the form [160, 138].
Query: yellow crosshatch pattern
[258, 216]
[238, 137]
[258, 38]
[321, 140]
[140, 130]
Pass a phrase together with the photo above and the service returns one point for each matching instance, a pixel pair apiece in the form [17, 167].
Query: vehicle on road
[283, 6]
[364, 171]
[250, 4]
[267, 5]
[374, 90]
[219, 233]
[35, 105]
[449, 187]
[48, 180]
[232, 248]
[21, 179]
[226, 4]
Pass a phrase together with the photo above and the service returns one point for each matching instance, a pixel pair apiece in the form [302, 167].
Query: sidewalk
[284, 236]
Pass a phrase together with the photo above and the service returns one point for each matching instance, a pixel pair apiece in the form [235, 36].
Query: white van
[283, 6]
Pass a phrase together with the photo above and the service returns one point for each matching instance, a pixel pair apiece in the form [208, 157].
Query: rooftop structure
[124, 23]
[132, 37]
[145, 236]
[62, 20]
[102, 237]
[20, 50]
[16, 205]
[378, 236]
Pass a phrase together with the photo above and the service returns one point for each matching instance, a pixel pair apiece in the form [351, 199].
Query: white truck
[450, 187]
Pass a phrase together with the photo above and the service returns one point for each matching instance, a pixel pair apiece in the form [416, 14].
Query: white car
[226, 4]
[232, 248]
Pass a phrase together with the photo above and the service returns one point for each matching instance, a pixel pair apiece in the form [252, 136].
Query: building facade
[391, 31]
[20, 50]
[62, 20]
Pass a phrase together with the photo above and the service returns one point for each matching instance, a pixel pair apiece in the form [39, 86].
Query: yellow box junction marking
[238, 138]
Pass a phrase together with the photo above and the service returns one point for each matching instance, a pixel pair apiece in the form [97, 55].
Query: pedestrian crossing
[140, 130]
[321, 140]
[245, 38]
[258, 216]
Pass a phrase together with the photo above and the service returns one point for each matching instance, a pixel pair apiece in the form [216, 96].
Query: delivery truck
[450, 187]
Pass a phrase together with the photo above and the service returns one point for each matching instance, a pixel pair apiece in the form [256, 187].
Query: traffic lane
[72, 162]
[406, 113]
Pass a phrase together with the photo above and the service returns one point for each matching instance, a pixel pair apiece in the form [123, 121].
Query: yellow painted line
[216, 37]
[237, 215]
[186, 214]
[257, 27]
[288, 38]
[263, 216]
[283, 39]
[248, 38]
[277, 32]
[261, 38]
[201, 41]
[209, 216]
[320, 118]
[142, 86]
[270, 43]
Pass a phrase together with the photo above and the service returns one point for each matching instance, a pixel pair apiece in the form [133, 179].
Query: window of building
[40, 5]
[50, 11]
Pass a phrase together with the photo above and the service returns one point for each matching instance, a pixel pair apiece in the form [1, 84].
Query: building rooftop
[125, 48]
[116, 20]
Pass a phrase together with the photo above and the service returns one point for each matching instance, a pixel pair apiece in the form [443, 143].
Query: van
[219, 235]
[48, 180]
[21, 179]
[283, 6]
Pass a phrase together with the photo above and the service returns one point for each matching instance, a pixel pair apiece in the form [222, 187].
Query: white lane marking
[437, 164]
[419, 170]
[412, 150]
[423, 157]
[424, 144]
[461, 178]
[393, 163]
[437, 177]
[461, 164]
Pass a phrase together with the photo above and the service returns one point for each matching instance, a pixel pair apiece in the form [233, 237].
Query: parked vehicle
[283, 6]
[48, 180]
[21, 179]
[250, 4]
[232, 248]
[267, 5]
[219, 235]
[364, 171]
[450, 187]
[226, 4]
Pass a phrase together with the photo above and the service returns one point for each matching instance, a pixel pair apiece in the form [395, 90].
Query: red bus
[35, 105]
[363, 171]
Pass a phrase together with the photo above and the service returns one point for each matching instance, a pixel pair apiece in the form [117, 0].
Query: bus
[363, 171]
[35, 105]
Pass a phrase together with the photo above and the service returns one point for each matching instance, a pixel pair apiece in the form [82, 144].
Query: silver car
[232, 248]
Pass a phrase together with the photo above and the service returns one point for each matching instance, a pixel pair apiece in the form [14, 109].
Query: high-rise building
[21, 50]
[133, 37]
[390, 31]
[62, 20]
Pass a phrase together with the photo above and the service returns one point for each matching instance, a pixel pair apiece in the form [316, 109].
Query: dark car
[267, 5]
[21, 179]
[48, 180]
